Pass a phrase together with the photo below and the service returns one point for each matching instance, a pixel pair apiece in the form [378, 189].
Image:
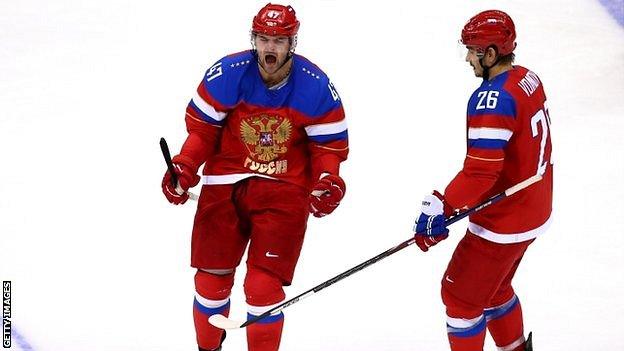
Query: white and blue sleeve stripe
[206, 111]
[488, 138]
[327, 132]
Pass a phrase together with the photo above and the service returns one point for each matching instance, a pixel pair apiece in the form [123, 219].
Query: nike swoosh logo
[449, 279]
[268, 254]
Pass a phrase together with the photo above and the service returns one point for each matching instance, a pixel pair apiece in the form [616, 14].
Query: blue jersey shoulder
[315, 94]
[492, 98]
[223, 79]
[236, 78]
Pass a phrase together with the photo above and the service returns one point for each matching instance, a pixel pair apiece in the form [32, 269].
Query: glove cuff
[432, 205]
[337, 180]
[187, 162]
[446, 207]
[325, 163]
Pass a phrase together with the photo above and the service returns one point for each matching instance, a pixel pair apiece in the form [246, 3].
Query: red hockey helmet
[490, 28]
[274, 19]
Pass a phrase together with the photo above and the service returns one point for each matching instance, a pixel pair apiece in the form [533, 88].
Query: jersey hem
[508, 238]
[230, 178]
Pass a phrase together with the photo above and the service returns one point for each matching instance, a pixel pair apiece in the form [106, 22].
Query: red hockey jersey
[240, 128]
[508, 140]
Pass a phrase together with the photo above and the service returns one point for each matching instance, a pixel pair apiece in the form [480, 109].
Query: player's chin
[270, 68]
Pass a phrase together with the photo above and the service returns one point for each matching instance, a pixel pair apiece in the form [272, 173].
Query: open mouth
[270, 59]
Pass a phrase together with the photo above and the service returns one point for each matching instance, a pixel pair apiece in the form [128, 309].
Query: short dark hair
[509, 58]
[504, 59]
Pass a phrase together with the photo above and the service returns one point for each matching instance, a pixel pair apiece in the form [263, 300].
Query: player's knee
[502, 296]
[262, 288]
[214, 286]
[465, 323]
[456, 307]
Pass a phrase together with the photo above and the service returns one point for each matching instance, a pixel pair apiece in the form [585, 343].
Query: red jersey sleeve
[491, 121]
[327, 134]
[205, 116]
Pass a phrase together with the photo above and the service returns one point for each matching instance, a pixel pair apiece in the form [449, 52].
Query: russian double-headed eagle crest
[265, 136]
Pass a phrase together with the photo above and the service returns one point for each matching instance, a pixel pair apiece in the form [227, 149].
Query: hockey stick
[220, 321]
[174, 176]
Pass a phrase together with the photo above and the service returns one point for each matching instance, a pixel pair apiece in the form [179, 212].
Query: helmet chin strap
[486, 69]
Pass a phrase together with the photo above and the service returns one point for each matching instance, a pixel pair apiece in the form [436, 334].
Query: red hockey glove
[326, 195]
[187, 178]
[430, 229]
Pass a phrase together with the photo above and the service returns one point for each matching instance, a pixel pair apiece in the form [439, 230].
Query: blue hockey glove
[430, 229]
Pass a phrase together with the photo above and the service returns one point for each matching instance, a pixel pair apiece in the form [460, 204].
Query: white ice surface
[99, 260]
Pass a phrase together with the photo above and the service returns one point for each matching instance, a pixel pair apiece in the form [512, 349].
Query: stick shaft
[492, 200]
[167, 155]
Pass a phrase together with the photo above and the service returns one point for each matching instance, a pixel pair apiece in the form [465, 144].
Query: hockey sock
[466, 334]
[266, 334]
[264, 291]
[504, 323]
[212, 297]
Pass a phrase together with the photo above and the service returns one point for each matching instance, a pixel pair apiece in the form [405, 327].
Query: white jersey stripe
[510, 238]
[489, 133]
[229, 178]
[327, 128]
[207, 108]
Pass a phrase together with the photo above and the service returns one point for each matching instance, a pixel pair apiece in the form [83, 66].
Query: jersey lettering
[529, 83]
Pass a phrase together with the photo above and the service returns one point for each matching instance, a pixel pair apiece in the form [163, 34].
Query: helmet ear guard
[293, 43]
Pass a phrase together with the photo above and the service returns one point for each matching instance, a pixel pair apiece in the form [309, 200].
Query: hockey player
[269, 128]
[508, 140]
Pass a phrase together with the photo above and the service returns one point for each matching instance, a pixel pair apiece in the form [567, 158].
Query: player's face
[272, 51]
[473, 59]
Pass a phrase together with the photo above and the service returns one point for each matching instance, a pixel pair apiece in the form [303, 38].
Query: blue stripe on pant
[500, 311]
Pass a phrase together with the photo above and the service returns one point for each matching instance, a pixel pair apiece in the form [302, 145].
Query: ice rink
[99, 260]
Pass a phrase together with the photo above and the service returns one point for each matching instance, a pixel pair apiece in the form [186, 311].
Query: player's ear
[490, 55]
